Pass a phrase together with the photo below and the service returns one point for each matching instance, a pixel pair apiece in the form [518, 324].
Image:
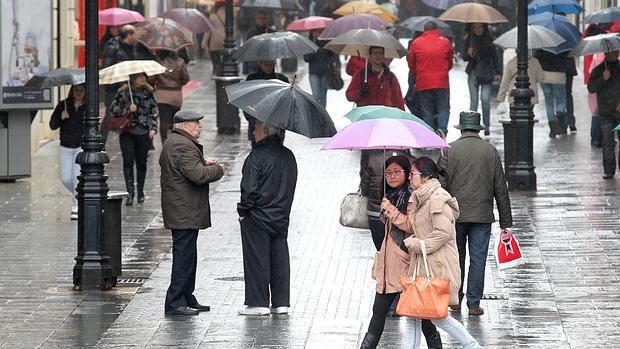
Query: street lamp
[519, 130]
[92, 269]
[227, 115]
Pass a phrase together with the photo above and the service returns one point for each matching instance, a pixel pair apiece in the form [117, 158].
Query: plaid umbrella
[123, 70]
[163, 34]
[191, 19]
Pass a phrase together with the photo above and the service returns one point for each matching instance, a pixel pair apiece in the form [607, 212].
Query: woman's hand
[385, 203]
[64, 115]
[152, 134]
[133, 108]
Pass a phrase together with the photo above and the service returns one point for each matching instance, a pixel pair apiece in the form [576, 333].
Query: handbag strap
[429, 272]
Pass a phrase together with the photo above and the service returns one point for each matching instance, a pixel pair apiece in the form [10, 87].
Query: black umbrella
[58, 77]
[273, 4]
[416, 24]
[283, 105]
[272, 46]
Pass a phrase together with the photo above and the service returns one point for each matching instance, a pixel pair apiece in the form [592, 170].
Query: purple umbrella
[442, 4]
[385, 134]
[351, 22]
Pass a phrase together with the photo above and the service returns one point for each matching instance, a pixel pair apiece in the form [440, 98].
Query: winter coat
[117, 51]
[170, 84]
[432, 220]
[554, 66]
[475, 177]
[185, 178]
[607, 92]
[71, 128]
[215, 39]
[355, 64]
[269, 177]
[383, 89]
[372, 179]
[534, 72]
[145, 118]
[430, 59]
[318, 62]
[486, 55]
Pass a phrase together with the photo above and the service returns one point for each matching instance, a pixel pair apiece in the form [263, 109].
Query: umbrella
[283, 105]
[271, 46]
[560, 25]
[471, 12]
[119, 16]
[357, 21]
[163, 34]
[617, 128]
[273, 4]
[357, 42]
[608, 15]
[555, 6]
[309, 23]
[58, 77]
[537, 37]
[607, 42]
[357, 7]
[442, 4]
[416, 24]
[191, 19]
[385, 134]
[382, 112]
[122, 71]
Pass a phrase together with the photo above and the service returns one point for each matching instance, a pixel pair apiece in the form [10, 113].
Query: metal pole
[519, 130]
[92, 269]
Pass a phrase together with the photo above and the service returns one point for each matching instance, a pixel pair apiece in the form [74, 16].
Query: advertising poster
[26, 50]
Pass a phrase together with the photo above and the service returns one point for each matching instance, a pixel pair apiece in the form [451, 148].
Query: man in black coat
[185, 178]
[267, 190]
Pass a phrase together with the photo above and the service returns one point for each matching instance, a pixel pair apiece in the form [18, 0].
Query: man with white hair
[267, 190]
[185, 178]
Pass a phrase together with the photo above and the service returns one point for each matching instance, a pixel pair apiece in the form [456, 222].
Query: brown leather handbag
[118, 124]
[424, 297]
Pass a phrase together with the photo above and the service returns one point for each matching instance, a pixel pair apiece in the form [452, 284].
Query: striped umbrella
[163, 34]
[537, 37]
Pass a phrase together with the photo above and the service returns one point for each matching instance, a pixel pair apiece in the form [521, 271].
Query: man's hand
[606, 74]
[152, 134]
[133, 108]
[211, 162]
[364, 90]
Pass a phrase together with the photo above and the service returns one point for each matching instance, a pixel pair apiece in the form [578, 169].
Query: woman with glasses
[393, 259]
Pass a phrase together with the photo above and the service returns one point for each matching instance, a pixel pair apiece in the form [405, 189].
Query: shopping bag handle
[429, 272]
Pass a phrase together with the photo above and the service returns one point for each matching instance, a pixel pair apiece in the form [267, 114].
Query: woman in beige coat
[432, 219]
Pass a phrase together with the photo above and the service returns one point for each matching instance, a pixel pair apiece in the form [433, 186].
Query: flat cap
[186, 115]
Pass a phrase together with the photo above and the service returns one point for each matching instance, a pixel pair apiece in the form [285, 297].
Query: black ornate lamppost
[227, 115]
[519, 130]
[92, 268]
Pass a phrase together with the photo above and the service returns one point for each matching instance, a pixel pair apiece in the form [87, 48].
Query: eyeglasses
[414, 173]
[394, 173]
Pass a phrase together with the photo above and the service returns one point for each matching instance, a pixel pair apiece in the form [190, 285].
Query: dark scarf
[399, 197]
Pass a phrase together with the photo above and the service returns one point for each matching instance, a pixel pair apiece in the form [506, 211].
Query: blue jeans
[450, 325]
[69, 170]
[435, 102]
[478, 235]
[555, 99]
[485, 98]
[318, 84]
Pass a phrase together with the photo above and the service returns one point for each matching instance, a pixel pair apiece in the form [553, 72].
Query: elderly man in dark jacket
[475, 177]
[267, 190]
[185, 178]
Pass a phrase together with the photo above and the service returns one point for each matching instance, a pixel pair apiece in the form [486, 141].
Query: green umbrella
[617, 128]
[382, 112]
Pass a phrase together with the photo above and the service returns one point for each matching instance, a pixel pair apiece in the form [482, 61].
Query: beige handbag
[353, 211]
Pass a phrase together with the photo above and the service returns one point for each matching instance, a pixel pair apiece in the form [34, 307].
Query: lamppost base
[227, 115]
[518, 154]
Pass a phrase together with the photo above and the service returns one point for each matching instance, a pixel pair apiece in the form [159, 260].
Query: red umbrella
[118, 16]
[309, 23]
[190, 18]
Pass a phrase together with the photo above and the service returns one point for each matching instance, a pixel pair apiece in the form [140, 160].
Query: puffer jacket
[432, 220]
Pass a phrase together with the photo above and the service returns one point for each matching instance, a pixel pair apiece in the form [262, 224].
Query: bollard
[113, 230]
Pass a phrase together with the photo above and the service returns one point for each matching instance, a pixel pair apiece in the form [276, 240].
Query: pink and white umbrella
[119, 16]
[309, 23]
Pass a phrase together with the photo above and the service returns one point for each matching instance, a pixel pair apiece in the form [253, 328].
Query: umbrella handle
[366, 71]
[130, 94]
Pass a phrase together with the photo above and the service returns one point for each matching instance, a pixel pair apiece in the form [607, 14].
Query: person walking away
[571, 72]
[596, 133]
[554, 89]
[431, 224]
[393, 258]
[268, 181]
[509, 78]
[318, 67]
[68, 116]
[169, 89]
[482, 69]
[185, 178]
[605, 82]
[475, 177]
[215, 39]
[430, 60]
[142, 108]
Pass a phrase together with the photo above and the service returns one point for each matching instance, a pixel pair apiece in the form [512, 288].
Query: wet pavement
[564, 296]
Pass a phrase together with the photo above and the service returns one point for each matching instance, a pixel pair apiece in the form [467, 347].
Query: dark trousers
[609, 143]
[596, 134]
[380, 308]
[184, 260]
[570, 105]
[216, 61]
[135, 150]
[166, 115]
[266, 266]
[377, 230]
[476, 236]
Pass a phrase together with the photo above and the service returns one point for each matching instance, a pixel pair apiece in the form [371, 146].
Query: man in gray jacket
[474, 175]
[185, 178]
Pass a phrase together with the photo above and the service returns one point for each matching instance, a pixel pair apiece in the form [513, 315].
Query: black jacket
[607, 92]
[268, 186]
[552, 62]
[486, 54]
[318, 62]
[71, 128]
[117, 51]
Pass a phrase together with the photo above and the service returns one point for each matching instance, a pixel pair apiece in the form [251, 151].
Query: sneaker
[279, 310]
[254, 311]
[476, 311]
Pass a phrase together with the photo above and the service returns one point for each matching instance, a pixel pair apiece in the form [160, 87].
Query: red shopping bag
[507, 250]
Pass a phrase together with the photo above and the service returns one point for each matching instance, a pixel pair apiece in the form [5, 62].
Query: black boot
[571, 123]
[140, 196]
[563, 123]
[434, 341]
[553, 127]
[370, 341]
[129, 200]
[129, 185]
